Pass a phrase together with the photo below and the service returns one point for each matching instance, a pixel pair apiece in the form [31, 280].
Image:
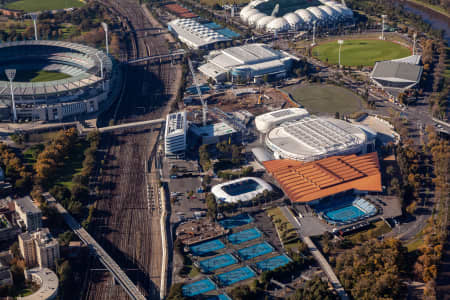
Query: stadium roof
[305, 182]
[194, 34]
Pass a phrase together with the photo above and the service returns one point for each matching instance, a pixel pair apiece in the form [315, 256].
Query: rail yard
[128, 222]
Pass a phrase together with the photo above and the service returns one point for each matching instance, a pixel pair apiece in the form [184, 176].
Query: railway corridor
[124, 225]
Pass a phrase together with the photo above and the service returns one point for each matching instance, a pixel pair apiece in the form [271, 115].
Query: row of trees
[14, 169]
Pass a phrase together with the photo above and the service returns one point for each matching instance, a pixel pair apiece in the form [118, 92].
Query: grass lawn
[360, 52]
[375, 230]
[41, 5]
[36, 76]
[288, 233]
[325, 98]
[73, 165]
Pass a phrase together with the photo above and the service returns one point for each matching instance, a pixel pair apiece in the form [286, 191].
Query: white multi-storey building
[39, 248]
[175, 134]
[29, 214]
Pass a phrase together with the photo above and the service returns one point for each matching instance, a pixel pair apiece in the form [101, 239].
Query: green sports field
[36, 76]
[360, 52]
[41, 5]
[325, 98]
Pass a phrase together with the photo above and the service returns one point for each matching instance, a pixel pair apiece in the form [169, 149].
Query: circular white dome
[320, 15]
[248, 13]
[305, 15]
[348, 13]
[254, 18]
[339, 11]
[262, 23]
[277, 25]
[294, 20]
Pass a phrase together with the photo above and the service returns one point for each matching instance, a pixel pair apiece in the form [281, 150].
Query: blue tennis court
[345, 214]
[255, 250]
[244, 236]
[207, 247]
[219, 297]
[236, 275]
[198, 287]
[273, 263]
[217, 262]
[235, 221]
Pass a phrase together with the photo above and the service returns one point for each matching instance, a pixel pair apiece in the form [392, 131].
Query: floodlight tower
[105, 28]
[101, 69]
[383, 17]
[11, 73]
[340, 42]
[34, 16]
[414, 43]
[314, 34]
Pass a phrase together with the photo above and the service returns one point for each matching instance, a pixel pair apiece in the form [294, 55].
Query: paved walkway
[317, 254]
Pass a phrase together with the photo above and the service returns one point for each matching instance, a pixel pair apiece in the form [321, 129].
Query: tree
[313, 290]
[211, 204]
[176, 292]
[36, 193]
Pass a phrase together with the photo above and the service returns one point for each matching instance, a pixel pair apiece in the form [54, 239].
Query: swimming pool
[236, 275]
[255, 250]
[198, 287]
[244, 236]
[207, 247]
[217, 262]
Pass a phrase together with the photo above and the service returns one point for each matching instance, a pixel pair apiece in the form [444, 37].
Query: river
[436, 20]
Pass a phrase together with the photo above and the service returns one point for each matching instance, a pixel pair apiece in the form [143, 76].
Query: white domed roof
[330, 3]
[279, 24]
[332, 14]
[348, 13]
[244, 10]
[262, 23]
[248, 13]
[318, 13]
[293, 20]
[254, 18]
[305, 15]
[339, 10]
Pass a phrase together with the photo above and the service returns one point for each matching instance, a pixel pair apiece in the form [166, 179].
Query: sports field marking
[360, 52]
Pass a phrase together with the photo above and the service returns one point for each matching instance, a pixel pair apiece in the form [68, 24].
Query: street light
[314, 34]
[34, 16]
[414, 43]
[340, 42]
[383, 17]
[101, 69]
[105, 28]
[11, 73]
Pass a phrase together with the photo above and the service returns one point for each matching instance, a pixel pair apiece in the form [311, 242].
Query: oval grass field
[360, 52]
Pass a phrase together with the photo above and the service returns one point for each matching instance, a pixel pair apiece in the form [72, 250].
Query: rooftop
[27, 205]
[216, 129]
[304, 182]
[176, 123]
[406, 69]
[196, 32]
[48, 283]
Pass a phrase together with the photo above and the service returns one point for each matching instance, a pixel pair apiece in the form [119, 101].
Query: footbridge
[178, 54]
[119, 275]
[84, 130]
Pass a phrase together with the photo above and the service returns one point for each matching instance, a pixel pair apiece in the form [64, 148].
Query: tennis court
[345, 214]
[217, 262]
[244, 236]
[198, 287]
[239, 220]
[273, 263]
[255, 250]
[236, 275]
[219, 297]
[207, 247]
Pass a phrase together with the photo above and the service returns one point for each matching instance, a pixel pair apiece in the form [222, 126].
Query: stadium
[242, 189]
[283, 15]
[75, 86]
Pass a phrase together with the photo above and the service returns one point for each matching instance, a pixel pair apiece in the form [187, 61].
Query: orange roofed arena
[312, 181]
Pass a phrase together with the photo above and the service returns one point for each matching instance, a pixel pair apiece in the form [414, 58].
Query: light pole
[101, 69]
[383, 17]
[34, 16]
[314, 34]
[340, 42]
[11, 73]
[414, 43]
[105, 28]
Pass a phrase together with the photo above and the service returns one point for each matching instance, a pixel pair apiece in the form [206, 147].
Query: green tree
[211, 204]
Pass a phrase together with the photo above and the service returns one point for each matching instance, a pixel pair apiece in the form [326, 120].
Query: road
[317, 254]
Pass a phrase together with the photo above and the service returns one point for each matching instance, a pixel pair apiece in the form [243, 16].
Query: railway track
[127, 222]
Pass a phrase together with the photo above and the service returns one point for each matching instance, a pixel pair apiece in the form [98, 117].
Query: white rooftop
[242, 189]
[312, 138]
[176, 123]
[216, 129]
[196, 33]
[48, 282]
[265, 121]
